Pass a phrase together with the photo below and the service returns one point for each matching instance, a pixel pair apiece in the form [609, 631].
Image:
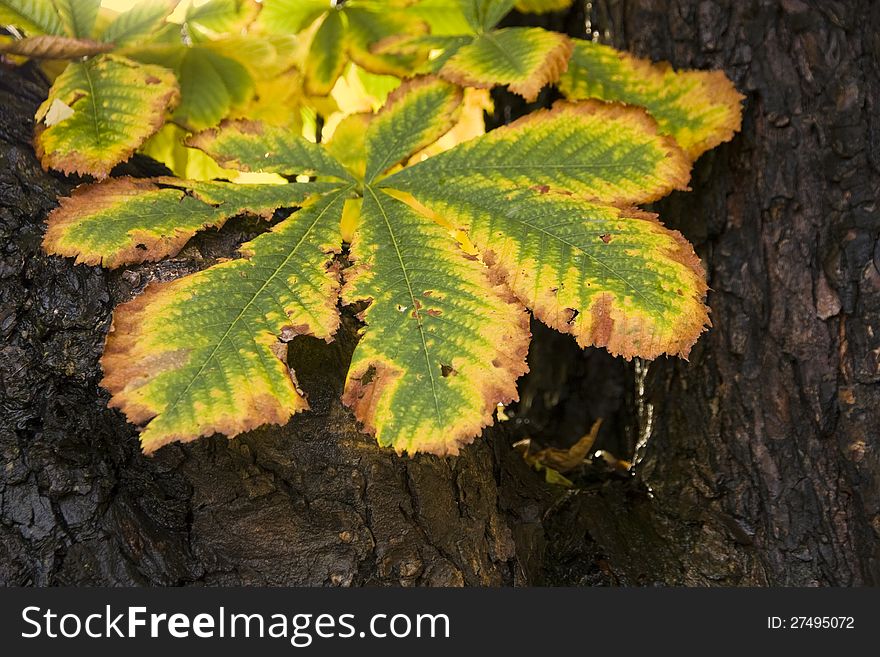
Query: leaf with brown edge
[612, 277]
[126, 221]
[117, 105]
[258, 147]
[443, 344]
[700, 109]
[595, 150]
[198, 355]
[525, 59]
[54, 47]
[430, 103]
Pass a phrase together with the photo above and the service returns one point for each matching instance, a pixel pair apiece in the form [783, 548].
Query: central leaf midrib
[413, 301]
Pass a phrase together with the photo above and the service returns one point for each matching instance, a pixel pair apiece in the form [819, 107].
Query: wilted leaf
[545, 202]
[117, 104]
[701, 109]
[54, 47]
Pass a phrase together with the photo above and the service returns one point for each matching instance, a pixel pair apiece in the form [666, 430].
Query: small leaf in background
[483, 15]
[290, 16]
[206, 21]
[542, 6]
[701, 109]
[117, 104]
[33, 16]
[346, 32]
[327, 58]
[78, 16]
[524, 58]
[140, 21]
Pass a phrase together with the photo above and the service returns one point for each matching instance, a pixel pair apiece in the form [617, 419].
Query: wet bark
[756, 461]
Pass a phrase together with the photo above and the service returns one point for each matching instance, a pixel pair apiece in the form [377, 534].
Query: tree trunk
[762, 466]
[756, 462]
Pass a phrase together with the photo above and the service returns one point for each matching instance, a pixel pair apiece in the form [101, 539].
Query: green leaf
[168, 147]
[542, 6]
[524, 58]
[33, 16]
[139, 22]
[445, 17]
[701, 109]
[78, 16]
[391, 138]
[609, 153]
[443, 345]
[111, 105]
[483, 15]
[366, 28]
[126, 221]
[326, 58]
[204, 353]
[215, 17]
[290, 16]
[211, 84]
[249, 146]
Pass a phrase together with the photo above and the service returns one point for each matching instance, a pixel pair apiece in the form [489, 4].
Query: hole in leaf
[447, 370]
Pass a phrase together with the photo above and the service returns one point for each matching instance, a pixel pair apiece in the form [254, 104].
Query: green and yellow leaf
[126, 221]
[701, 109]
[542, 6]
[112, 106]
[327, 58]
[368, 27]
[611, 277]
[417, 114]
[249, 146]
[535, 199]
[54, 47]
[139, 22]
[523, 58]
[205, 354]
[290, 16]
[33, 16]
[483, 15]
[594, 150]
[209, 20]
[443, 344]
[78, 16]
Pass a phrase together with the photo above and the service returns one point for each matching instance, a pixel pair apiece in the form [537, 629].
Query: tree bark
[762, 466]
[755, 463]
